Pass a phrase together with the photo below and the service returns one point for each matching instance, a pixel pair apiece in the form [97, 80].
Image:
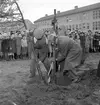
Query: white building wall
[83, 21]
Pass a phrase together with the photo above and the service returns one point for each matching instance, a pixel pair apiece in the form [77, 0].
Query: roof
[70, 12]
[29, 24]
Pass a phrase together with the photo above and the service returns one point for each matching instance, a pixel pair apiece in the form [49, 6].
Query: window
[99, 25]
[99, 13]
[69, 26]
[93, 14]
[79, 26]
[73, 28]
[67, 19]
[76, 26]
[88, 25]
[45, 23]
[70, 20]
[95, 26]
[83, 25]
[48, 23]
[84, 15]
[96, 14]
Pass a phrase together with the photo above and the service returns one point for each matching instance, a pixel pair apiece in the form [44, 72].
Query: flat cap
[38, 33]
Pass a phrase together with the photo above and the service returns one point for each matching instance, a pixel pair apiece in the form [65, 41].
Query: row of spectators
[16, 45]
[88, 40]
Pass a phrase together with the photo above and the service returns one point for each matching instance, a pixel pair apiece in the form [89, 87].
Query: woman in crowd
[24, 46]
[76, 38]
[18, 45]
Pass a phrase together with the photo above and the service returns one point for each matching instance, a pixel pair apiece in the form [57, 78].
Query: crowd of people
[89, 40]
[15, 45]
[18, 45]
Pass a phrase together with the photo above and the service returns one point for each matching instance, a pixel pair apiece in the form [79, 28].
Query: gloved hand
[65, 72]
[60, 59]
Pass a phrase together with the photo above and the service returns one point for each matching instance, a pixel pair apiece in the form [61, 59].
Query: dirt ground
[16, 88]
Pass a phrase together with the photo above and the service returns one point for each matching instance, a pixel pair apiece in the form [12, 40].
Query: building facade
[84, 18]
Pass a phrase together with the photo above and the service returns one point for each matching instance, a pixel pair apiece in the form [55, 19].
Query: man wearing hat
[69, 54]
[41, 49]
[42, 46]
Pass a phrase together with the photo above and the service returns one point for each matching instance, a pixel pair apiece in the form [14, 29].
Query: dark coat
[30, 44]
[5, 46]
[82, 41]
[18, 45]
[95, 41]
[12, 46]
[43, 50]
[70, 52]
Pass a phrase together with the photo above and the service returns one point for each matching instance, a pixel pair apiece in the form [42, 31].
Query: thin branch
[21, 14]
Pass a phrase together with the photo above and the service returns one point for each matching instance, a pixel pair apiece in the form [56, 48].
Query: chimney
[58, 12]
[76, 7]
[46, 15]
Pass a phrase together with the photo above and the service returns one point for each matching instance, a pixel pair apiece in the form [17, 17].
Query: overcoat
[43, 50]
[18, 45]
[5, 46]
[30, 44]
[12, 46]
[70, 52]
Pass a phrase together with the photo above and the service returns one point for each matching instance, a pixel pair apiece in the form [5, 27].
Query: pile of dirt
[18, 89]
[36, 93]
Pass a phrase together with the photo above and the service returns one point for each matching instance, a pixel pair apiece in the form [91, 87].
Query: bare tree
[11, 12]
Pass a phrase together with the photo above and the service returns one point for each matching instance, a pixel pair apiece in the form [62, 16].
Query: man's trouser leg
[46, 64]
[32, 68]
